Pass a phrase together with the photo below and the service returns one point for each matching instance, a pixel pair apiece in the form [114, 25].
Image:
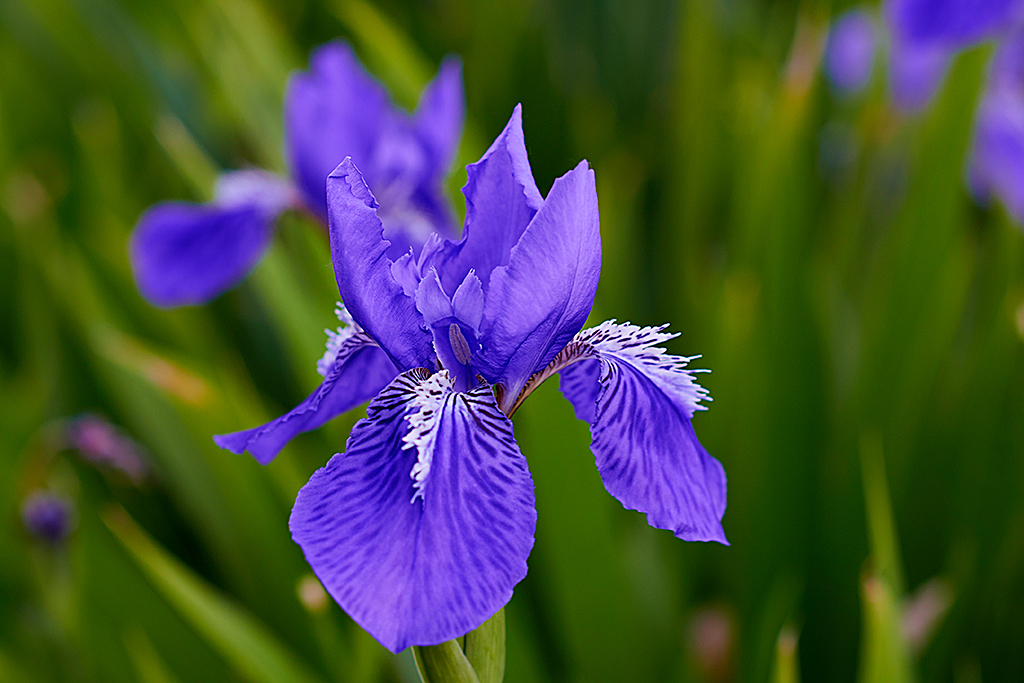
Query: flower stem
[485, 649]
[480, 660]
[444, 663]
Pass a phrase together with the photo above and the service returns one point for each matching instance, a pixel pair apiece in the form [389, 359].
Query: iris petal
[364, 272]
[334, 110]
[926, 34]
[542, 297]
[915, 72]
[439, 116]
[639, 401]
[997, 158]
[997, 154]
[360, 370]
[421, 561]
[186, 253]
[954, 23]
[501, 200]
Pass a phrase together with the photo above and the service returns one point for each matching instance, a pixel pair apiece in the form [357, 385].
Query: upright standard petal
[354, 370]
[439, 116]
[422, 528]
[639, 402]
[501, 200]
[412, 201]
[542, 297]
[185, 253]
[364, 272]
[334, 110]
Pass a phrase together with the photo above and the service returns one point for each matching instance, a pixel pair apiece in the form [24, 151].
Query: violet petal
[501, 200]
[542, 297]
[364, 272]
[850, 53]
[358, 372]
[185, 253]
[645, 447]
[334, 110]
[421, 529]
[440, 114]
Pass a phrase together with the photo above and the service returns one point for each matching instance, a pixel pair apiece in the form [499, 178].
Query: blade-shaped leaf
[241, 639]
[787, 661]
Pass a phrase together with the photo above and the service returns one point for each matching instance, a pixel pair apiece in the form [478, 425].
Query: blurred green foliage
[863, 321]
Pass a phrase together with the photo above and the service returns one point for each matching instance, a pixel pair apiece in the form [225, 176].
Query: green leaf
[885, 658]
[885, 553]
[238, 636]
[444, 663]
[148, 665]
[188, 156]
[485, 649]
[787, 661]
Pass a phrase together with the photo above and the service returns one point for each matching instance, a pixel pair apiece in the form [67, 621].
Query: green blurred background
[862, 319]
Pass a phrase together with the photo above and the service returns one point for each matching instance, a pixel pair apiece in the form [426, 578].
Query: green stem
[444, 663]
[485, 649]
[481, 659]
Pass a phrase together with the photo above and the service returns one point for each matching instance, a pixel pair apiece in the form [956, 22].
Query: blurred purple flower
[997, 156]
[48, 516]
[103, 444]
[927, 34]
[422, 528]
[850, 53]
[187, 253]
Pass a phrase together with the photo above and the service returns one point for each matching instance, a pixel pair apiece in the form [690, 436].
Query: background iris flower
[925, 37]
[187, 253]
[997, 156]
[422, 527]
[927, 34]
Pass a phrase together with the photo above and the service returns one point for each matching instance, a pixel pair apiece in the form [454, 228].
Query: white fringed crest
[424, 411]
[336, 339]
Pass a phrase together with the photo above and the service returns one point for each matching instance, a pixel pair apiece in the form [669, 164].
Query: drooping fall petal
[422, 527]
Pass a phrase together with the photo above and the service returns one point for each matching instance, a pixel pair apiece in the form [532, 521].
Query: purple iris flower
[187, 253]
[850, 53]
[48, 516]
[422, 528]
[927, 34]
[997, 157]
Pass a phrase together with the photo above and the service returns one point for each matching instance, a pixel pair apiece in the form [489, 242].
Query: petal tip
[350, 175]
[240, 442]
[716, 534]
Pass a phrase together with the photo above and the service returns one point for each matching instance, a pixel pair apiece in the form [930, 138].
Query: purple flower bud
[850, 54]
[48, 516]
